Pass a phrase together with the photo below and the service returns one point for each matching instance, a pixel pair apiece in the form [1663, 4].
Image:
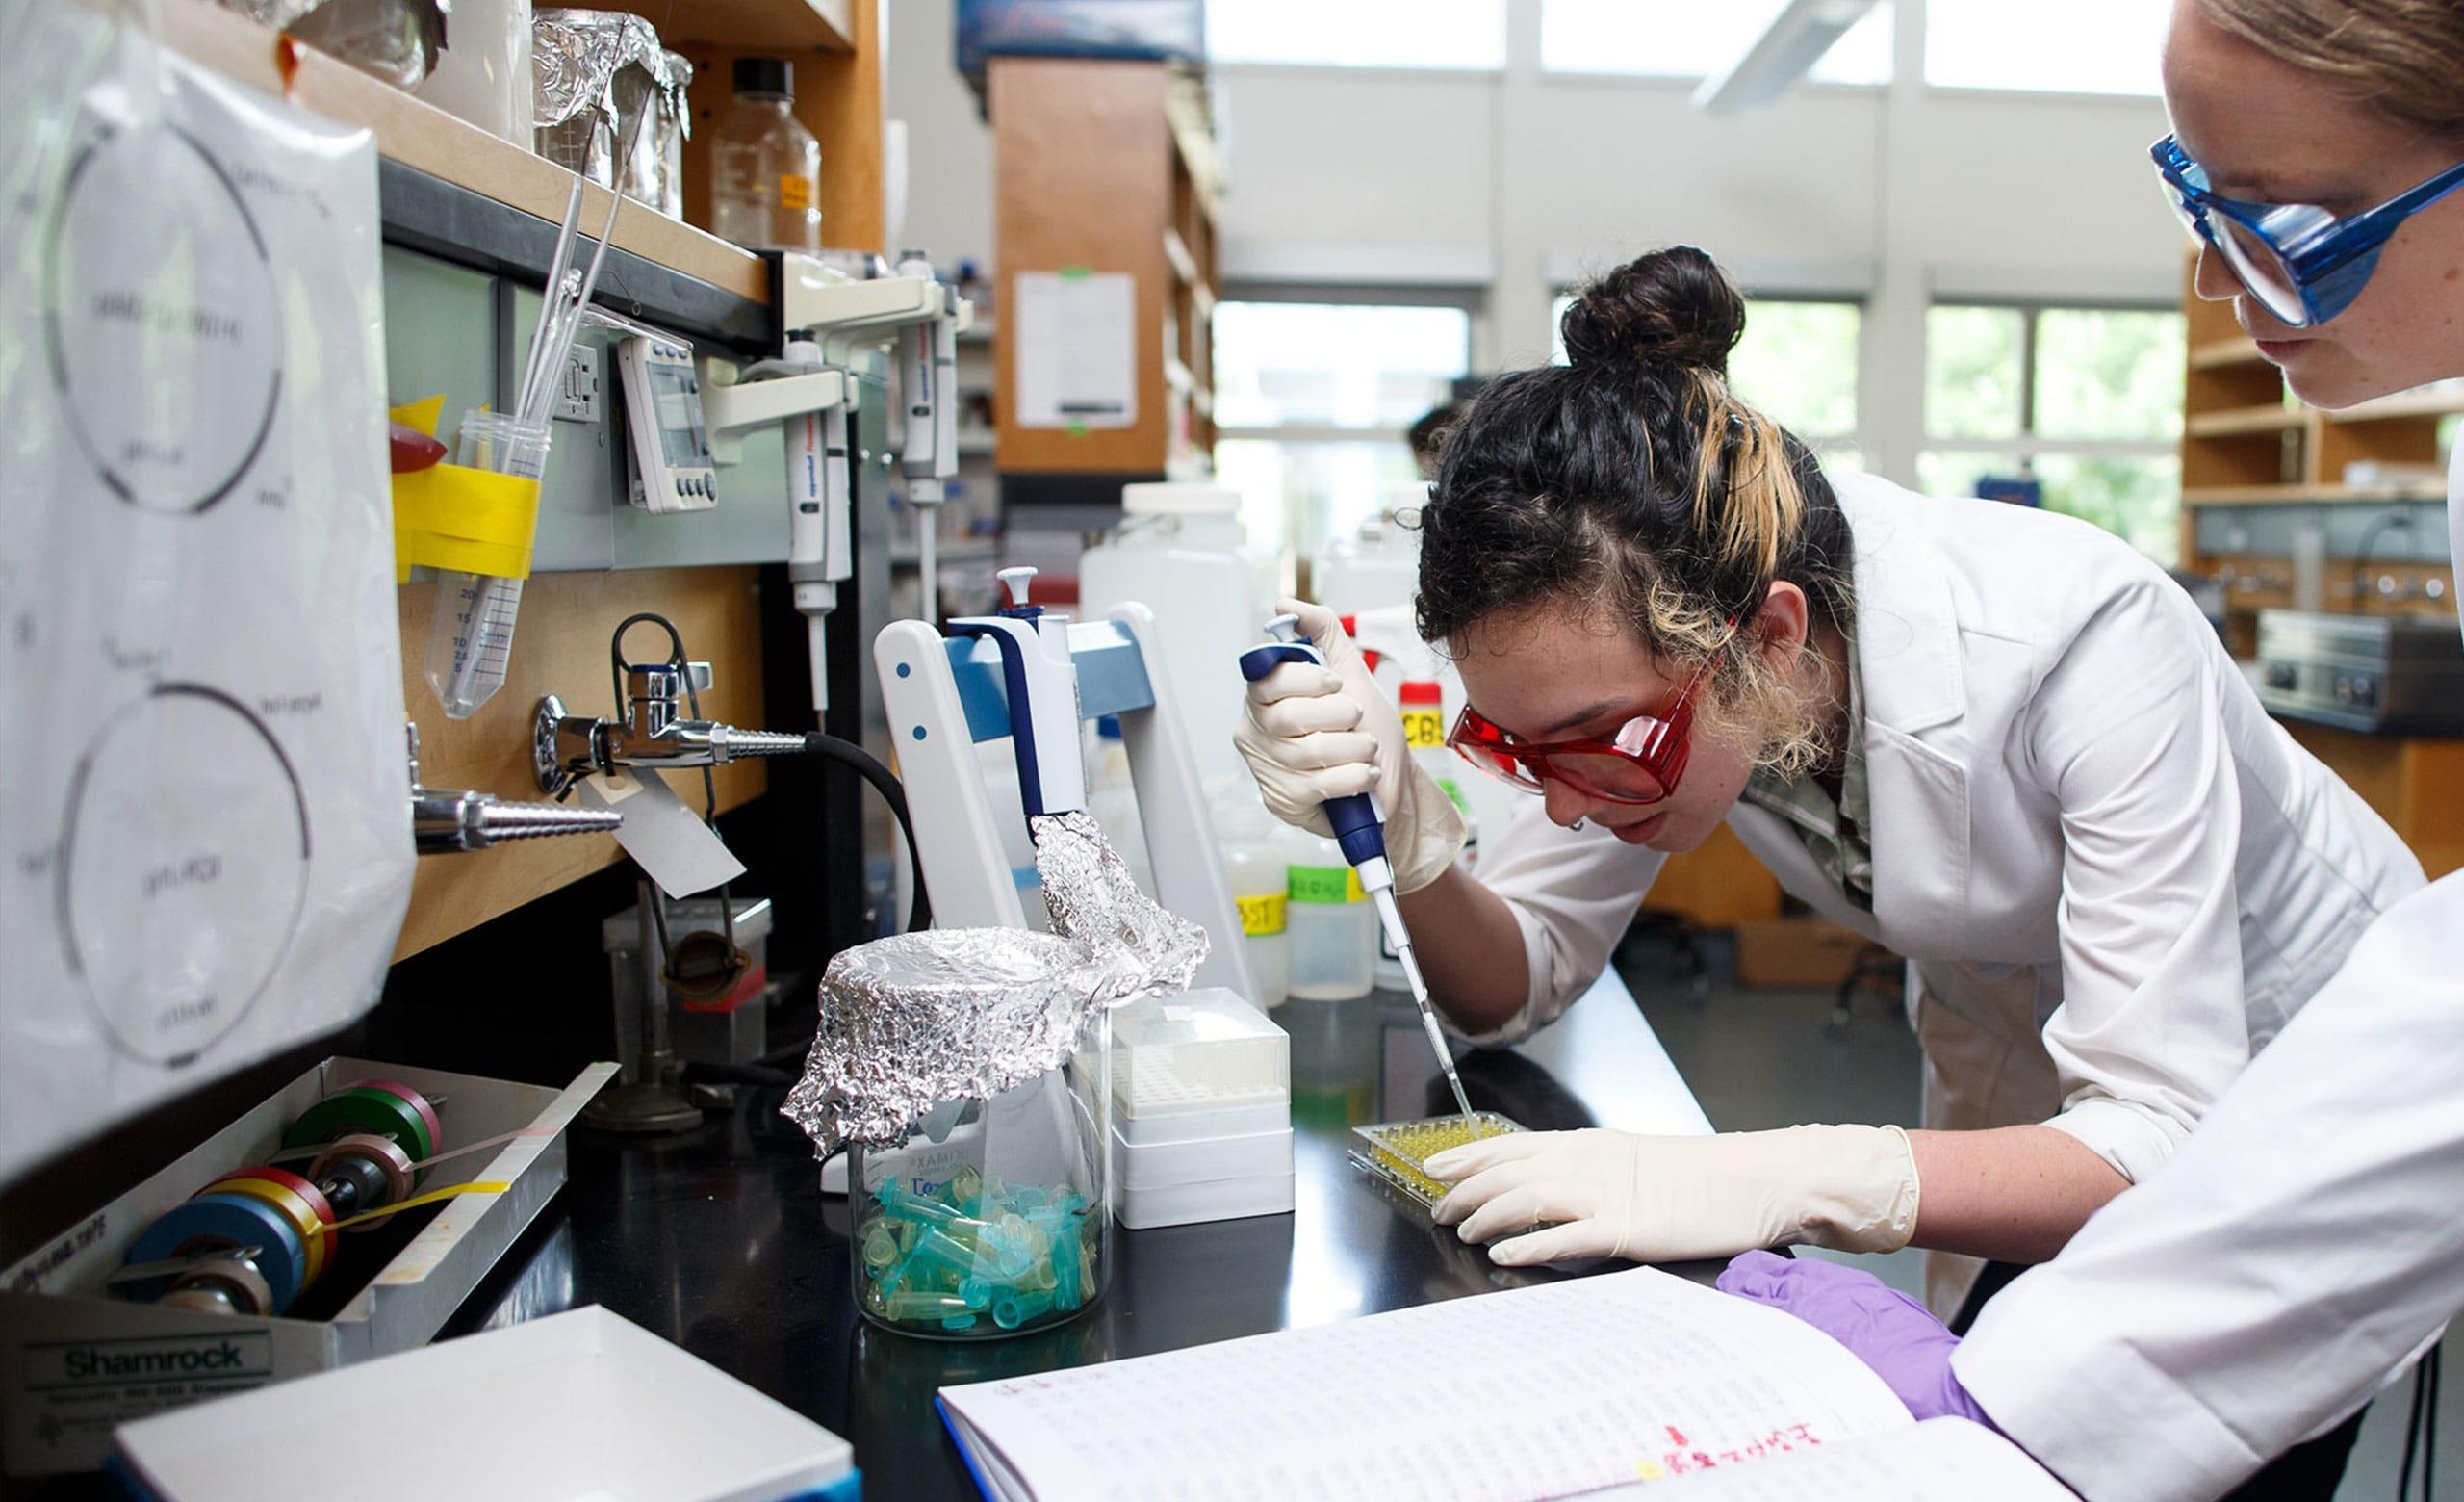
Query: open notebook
[1635, 1381]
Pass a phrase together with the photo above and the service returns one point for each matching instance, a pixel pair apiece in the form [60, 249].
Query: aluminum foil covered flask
[968, 1071]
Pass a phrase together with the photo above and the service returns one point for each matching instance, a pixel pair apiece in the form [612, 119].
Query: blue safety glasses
[2303, 264]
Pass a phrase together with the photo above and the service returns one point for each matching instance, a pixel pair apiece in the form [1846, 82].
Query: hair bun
[1671, 307]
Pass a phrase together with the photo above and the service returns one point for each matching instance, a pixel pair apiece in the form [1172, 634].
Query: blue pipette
[1360, 830]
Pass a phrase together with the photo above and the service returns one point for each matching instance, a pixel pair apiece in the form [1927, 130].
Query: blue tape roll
[231, 1220]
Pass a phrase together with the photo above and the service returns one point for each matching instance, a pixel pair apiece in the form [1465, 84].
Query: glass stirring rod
[1359, 828]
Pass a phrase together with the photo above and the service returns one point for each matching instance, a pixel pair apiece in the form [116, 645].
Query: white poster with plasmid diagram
[205, 846]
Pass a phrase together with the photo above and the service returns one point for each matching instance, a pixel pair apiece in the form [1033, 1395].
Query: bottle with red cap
[1421, 702]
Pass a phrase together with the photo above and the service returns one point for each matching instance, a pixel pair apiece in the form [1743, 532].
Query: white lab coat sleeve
[1572, 893]
[2126, 730]
[2300, 1248]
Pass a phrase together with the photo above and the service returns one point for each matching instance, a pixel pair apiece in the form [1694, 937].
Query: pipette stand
[946, 693]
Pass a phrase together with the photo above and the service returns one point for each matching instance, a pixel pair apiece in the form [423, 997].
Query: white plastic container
[1330, 925]
[1201, 1123]
[1253, 862]
[1181, 552]
[1375, 568]
[1112, 797]
[483, 74]
[1422, 707]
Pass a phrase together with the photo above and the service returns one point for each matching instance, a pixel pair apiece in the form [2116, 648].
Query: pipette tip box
[1394, 1151]
[1202, 1119]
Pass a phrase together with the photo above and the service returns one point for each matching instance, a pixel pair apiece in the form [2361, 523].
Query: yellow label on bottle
[1424, 729]
[795, 192]
[1262, 915]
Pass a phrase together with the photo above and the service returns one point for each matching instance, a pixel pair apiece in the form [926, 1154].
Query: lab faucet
[655, 731]
[446, 821]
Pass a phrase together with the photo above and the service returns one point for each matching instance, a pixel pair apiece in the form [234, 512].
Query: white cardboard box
[575, 1405]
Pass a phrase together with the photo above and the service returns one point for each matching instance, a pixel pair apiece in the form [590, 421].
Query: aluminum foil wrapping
[592, 73]
[914, 1020]
[1094, 899]
[397, 40]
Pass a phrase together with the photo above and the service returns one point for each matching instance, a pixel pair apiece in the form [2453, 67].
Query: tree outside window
[2084, 401]
[1797, 365]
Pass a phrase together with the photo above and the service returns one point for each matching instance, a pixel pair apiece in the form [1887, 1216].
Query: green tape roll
[380, 1113]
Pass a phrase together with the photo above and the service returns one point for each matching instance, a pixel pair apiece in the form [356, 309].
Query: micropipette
[1360, 830]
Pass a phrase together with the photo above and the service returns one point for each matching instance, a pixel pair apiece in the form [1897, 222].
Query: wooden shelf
[763, 26]
[2436, 402]
[418, 135]
[1176, 250]
[2298, 494]
[2234, 421]
[2220, 353]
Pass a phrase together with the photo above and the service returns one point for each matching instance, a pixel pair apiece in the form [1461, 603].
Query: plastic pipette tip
[1392, 917]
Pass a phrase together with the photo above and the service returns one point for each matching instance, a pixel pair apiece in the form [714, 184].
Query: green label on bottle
[1328, 885]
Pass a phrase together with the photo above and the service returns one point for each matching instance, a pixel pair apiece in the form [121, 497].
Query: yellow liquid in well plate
[1402, 1147]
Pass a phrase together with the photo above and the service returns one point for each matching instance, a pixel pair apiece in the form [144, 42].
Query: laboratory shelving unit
[2257, 463]
[2258, 467]
[471, 202]
[1108, 165]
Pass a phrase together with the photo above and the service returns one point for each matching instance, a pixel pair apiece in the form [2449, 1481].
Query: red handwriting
[1779, 1441]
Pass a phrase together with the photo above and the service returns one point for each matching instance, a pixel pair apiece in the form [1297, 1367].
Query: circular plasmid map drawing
[163, 328]
[176, 912]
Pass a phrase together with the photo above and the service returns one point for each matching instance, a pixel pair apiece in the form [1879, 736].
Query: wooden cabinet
[1106, 166]
[2410, 782]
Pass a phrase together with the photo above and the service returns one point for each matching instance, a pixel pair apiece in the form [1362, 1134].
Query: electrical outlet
[577, 394]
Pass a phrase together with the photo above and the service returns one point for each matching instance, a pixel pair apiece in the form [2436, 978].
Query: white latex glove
[1310, 734]
[1671, 1198]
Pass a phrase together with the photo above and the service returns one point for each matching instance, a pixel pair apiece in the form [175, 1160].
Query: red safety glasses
[1638, 764]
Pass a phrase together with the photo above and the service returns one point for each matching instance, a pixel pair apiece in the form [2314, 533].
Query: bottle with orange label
[765, 167]
[1421, 702]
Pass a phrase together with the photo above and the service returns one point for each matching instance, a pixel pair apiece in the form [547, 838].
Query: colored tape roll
[417, 1103]
[377, 1112]
[226, 1220]
[294, 1206]
[220, 1287]
[290, 1180]
[391, 1160]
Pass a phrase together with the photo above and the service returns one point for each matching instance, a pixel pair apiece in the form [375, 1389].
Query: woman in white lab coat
[2304, 1244]
[1995, 740]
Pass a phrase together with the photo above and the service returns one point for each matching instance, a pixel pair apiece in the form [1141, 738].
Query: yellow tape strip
[421, 415]
[472, 521]
[490, 1186]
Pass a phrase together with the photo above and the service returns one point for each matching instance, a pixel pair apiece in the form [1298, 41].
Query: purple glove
[1889, 1332]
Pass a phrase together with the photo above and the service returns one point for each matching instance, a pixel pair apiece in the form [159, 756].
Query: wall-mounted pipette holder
[76, 1360]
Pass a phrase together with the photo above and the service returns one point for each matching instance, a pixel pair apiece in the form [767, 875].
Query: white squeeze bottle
[1253, 863]
[1328, 922]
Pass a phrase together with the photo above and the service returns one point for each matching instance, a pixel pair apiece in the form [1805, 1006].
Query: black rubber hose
[863, 764]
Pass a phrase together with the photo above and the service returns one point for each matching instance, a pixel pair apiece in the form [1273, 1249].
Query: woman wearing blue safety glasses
[2304, 1245]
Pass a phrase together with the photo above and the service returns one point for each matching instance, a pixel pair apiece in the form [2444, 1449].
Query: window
[1686, 38]
[2084, 401]
[2084, 46]
[1797, 363]
[1312, 401]
[1432, 34]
